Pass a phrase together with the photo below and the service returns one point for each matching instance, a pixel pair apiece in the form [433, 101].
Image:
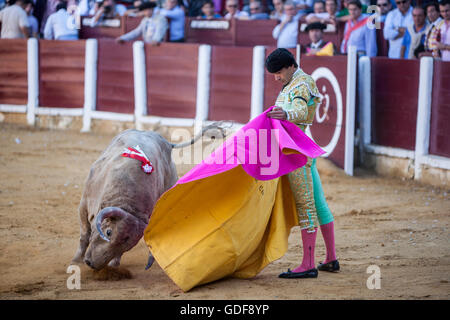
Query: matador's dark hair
[279, 59]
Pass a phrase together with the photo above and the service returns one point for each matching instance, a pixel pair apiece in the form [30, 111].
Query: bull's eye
[109, 232]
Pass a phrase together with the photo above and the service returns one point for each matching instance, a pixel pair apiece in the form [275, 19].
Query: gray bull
[119, 196]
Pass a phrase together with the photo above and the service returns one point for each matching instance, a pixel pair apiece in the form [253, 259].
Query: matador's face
[285, 75]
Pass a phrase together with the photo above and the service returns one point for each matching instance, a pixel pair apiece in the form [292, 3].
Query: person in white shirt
[326, 17]
[14, 20]
[233, 11]
[395, 26]
[152, 28]
[60, 25]
[286, 32]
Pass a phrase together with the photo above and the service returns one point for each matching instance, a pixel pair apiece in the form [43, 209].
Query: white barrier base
[13, 108]
[389, 151]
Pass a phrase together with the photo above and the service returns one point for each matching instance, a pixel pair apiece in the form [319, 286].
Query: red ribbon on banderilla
[138, 154]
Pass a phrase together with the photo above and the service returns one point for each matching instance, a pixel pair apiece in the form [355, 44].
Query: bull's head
[116, 231]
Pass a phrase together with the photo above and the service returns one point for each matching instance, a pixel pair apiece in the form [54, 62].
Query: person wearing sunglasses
[385, 6]
[233, 11]
[395, 26]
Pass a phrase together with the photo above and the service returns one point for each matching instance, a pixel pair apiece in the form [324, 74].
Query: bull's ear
[109, 212]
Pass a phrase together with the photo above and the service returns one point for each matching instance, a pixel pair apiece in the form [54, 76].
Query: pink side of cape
[254, 159]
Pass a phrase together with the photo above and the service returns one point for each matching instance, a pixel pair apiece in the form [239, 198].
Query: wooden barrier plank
[225, 37]
[115, 81]
[172, 79]
[395, 84]
[231, 83]
[440, 110]
[255, 32]
[61, 73]
[325, 125]
[13, 72]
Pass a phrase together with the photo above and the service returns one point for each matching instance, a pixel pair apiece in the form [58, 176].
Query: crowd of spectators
[411, 29]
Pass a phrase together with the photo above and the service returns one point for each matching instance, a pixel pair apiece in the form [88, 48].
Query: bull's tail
[214, 126]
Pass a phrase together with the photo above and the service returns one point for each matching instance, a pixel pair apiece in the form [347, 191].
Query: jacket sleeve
[389, 30]
[133, 34]
[299, 97]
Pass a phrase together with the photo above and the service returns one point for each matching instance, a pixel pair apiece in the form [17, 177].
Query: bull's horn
[219, 125]
[150, 261]
[107, 213]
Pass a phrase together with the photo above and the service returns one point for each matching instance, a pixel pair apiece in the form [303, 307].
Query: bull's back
[117, 181]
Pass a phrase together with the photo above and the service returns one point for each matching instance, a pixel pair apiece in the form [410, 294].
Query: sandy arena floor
[400, 226]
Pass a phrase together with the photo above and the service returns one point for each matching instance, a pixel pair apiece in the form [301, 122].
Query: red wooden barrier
[115, 81]
[255, 32]
[328, 128]
[172, 80]
[209, 35]
[61, 73]
[231, 83]
[395, 84]
[440, 110]
[13, 72]
[87, 32]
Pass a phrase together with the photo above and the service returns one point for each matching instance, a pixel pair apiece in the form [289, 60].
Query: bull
[118, 197]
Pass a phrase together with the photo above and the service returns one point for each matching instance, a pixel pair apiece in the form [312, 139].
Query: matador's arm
[299, 97]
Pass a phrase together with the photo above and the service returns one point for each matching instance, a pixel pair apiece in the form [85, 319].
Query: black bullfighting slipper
[332, 266]
[311, 273]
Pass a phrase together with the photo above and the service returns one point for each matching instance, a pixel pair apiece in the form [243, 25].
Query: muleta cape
[231, 214]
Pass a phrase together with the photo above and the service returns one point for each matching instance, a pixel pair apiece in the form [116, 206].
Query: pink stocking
[328, 237]
[309, 244]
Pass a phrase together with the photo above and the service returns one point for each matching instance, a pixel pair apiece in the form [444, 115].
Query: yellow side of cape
[229, 224]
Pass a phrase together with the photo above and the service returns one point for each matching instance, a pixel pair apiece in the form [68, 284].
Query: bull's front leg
[85, 234]
[115, 262]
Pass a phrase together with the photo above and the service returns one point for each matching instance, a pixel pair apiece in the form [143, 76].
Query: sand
[398, 225]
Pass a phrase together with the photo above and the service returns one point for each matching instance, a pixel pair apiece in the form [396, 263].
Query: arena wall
[179, 84]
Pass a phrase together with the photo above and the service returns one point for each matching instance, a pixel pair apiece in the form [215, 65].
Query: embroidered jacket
[299, 98]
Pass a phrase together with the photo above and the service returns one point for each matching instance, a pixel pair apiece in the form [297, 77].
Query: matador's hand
[277, 113]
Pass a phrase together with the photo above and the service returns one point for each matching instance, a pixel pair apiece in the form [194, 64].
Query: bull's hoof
[112, 274]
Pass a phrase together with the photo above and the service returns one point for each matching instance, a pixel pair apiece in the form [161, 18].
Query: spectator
[434, 18]
[357, 33]
[175, 14]
[315, 33]
[443, 31]
[256, 11]
[57, 26]
[133, 11]
[86, 7]
[303, 7]
[14, 21]
[277, 13]
[286, 32]
[327, 17]
[194, 7]
[385, 6]
[107, 9]
[153, 27]
[395, 26]
[50, 8]
[233, 11]
[344, 14]
[34, 24]
[208, 11]
[414, 39]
